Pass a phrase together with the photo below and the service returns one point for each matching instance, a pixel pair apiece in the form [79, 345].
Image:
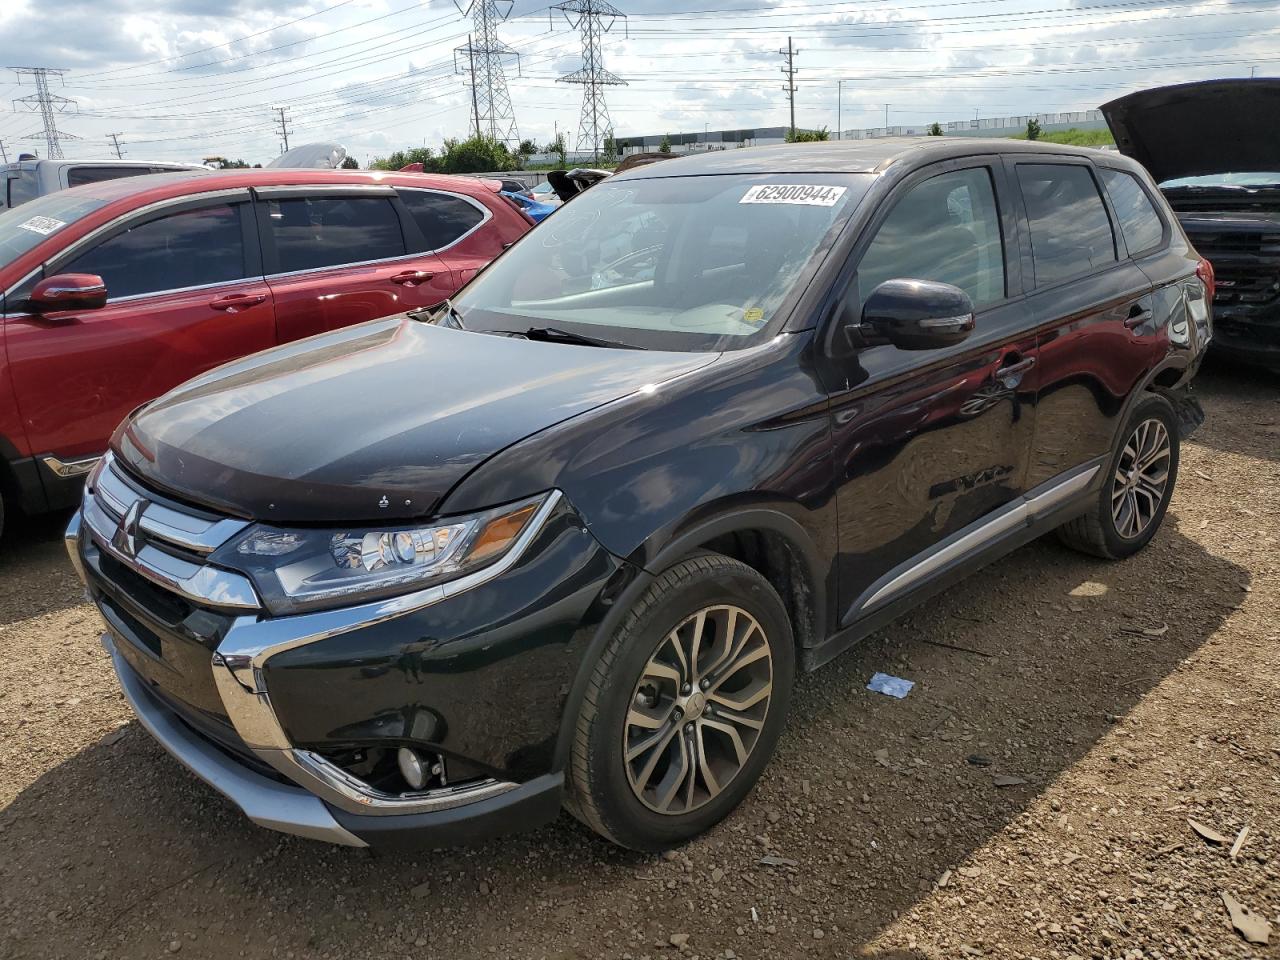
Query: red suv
[115, 292]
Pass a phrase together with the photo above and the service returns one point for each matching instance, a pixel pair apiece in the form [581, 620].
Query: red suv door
[185, 294]
[338, 255]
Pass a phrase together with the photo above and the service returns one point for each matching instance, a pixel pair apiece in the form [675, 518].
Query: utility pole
[592, 18]
[115, 142]
[790, 71]
[49, 105]
[283, 121]
[886, 119]
[839, 109]
[4, 155]
[494, 115]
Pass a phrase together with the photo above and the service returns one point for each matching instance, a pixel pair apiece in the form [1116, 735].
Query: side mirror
[915, 315]
[68, 291]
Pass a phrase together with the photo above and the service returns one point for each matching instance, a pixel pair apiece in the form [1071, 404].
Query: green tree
[350, 163]
[935, 129]
[527, 148]
[808, 136]
[665, 146]
[475, 155]
[402, 158]
[560, 149]
[610, 154]
[1033, 129]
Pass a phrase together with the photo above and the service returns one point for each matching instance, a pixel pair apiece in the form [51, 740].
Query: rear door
[342, 255]
[1091, 306]
[186, 294]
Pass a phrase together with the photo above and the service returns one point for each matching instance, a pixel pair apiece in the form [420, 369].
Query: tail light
[1205, 272]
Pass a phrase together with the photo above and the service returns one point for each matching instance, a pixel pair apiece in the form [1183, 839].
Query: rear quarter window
[311, 233]
[1139, 220]
[443, 219]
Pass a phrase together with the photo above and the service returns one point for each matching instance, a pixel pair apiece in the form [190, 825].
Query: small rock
[421, 890]
[175, 946]
[678, 940]
[978, 760]
[717, 875]
[818, 934]
[484, 888]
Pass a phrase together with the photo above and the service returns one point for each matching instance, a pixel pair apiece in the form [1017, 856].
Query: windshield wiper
[556, 335]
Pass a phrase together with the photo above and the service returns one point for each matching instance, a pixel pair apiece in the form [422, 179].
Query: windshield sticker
[808, 195]
[43, 225]
[753, 315]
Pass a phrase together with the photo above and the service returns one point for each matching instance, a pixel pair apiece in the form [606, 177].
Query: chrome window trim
[486, 213]
[252, 641]
[309, 271]
[218, 285]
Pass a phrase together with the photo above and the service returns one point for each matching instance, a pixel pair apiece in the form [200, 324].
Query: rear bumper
[290, 809]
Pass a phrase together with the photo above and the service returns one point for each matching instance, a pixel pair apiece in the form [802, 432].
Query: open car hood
[1193, 129]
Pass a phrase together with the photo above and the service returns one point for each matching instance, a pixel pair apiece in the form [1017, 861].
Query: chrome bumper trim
[265, 802]
[66, 469]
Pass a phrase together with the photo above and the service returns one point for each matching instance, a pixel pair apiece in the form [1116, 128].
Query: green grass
[1075, 137]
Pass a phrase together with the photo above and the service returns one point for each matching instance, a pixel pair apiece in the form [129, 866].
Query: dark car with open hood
[1212, 146]
[566, 540]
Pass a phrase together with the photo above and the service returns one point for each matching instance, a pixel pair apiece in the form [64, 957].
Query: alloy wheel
[1141, 478]
[697, 710]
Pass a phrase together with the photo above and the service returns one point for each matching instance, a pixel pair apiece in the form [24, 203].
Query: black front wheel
[684, 707]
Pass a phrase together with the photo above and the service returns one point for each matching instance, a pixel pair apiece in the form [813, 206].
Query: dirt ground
[1129, 697]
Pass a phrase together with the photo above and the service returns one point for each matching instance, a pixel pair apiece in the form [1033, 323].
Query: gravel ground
[1123, 699]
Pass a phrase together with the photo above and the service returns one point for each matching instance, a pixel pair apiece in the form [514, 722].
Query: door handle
[1010, 375]
[237, 301]
[411, 278]
[1139, 314]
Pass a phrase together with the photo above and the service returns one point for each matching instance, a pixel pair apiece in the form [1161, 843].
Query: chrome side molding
[1020, 512]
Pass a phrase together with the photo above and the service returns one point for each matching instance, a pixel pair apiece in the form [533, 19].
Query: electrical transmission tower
[115, 142]
[593, 18]
[790, 71]
[283, 122]
[49, 105]
[492, 114]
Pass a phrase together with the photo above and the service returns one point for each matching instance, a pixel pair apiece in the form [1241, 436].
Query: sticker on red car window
[810, 195]
[43, 225]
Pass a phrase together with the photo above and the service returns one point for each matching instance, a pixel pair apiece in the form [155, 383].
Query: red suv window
[315, 232]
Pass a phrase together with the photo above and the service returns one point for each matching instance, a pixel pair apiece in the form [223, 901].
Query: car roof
[843, 156]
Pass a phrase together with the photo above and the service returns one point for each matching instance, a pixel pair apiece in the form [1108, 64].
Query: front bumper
[258, 706]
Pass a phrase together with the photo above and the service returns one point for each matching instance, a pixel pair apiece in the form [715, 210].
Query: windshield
[1225, 180]
[23, 227]
[670, 263]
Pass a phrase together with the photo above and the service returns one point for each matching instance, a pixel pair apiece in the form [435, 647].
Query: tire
[640, 668]
[1101, 532]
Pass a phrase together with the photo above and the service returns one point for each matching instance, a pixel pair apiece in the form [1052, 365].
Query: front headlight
[301, 569]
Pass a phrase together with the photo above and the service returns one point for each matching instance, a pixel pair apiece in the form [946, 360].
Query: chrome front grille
[165, 544]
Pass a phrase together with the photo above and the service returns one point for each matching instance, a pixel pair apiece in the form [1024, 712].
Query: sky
[186, 79]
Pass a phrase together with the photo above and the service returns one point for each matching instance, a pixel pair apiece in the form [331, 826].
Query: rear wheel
[1138, 486]
[684, 707]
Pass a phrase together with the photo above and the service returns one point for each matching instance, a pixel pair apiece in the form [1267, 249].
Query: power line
[49, 105]
[494, 115]
[595, 126]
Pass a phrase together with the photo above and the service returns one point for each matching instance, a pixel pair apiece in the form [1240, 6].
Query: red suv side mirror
[68, 291]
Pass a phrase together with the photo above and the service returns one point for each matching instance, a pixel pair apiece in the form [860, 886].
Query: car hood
[374, 422]
[1193, 129]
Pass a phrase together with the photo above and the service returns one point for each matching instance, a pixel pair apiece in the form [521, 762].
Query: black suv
[566, 540]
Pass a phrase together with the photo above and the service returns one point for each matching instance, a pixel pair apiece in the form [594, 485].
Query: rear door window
[193, 248]
[314, 232]
[1139, 221]
[1070, 231]
[946, 228]
[442, 218]
[24, 187]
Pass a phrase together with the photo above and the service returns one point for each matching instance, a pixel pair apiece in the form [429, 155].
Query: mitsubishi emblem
[128, 539]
